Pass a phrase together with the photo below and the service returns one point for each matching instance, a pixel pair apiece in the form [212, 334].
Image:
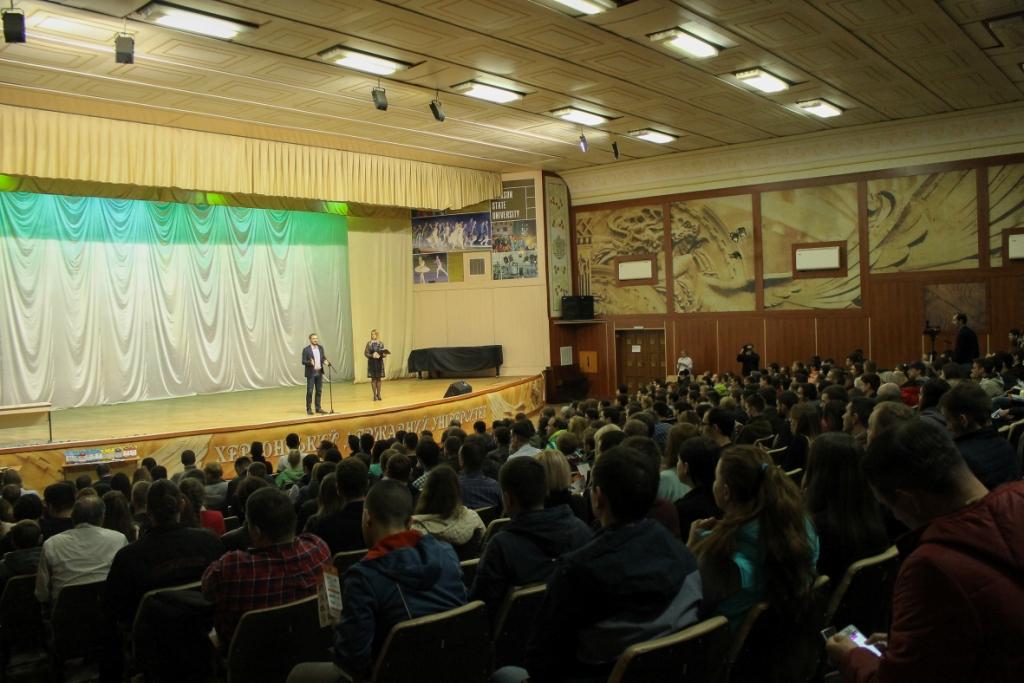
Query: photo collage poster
[514, 231]
[438, 240]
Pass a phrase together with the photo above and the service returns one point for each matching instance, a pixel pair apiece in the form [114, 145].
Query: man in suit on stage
[314, 361]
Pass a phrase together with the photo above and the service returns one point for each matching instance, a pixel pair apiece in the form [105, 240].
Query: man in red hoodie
[959, 597]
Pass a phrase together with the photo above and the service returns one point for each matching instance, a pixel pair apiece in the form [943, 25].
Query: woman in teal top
[764, 547]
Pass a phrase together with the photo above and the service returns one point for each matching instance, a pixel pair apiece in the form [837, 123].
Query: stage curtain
[380, 267]
[105, 301]
[47, 144]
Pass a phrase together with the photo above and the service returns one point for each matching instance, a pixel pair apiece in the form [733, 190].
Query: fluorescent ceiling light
[363, 61]
[491, 93]
[579, 116]
[193, 21]
[762, 80]
[653, 136]
[686, 42]
[587, 6]
[821, 108]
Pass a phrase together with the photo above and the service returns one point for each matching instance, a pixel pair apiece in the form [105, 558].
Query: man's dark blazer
[307, 358]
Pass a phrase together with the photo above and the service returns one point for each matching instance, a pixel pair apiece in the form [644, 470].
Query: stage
[221, 426]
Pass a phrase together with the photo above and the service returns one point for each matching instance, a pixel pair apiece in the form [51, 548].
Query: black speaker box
[577, 308]
[458, 389]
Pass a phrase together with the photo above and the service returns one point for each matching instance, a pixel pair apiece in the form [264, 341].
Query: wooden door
[641, 356]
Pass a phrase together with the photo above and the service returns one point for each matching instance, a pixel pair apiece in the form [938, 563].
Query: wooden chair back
[469, 571]
[864, 595]
[515, 619]
[269, 642]
[21, 617]
[695, 654]
[494, 527]
[347, 558]
[77, 622]
[457, 643]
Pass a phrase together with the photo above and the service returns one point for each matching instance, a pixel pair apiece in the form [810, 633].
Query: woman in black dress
[375, 352]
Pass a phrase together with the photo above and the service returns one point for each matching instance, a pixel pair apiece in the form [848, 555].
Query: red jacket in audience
[958, 604]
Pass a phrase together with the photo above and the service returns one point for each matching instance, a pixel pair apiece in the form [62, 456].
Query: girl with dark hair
[838, 499]
[118, 515]
[440, 512]
[805, 425]
[764, 547]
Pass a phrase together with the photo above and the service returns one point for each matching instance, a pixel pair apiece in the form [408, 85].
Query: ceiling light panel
[651, 135]
[686, 43]
[587, 7]
[193, 21]
[580, 116]
[363, 61]
[491, 93]
[761, 80]
[821, 108]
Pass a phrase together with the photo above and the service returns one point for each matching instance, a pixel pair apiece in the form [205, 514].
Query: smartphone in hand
[859, 639]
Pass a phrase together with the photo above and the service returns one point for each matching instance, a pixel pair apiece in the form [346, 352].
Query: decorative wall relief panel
[923, 222]
[943, 301]
[1005, 206]
[601, 236]
[713, 254]
[811, 214]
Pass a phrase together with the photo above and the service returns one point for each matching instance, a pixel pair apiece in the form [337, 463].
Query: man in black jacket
[966, 349]
[967, 409]
[526, 549]
[633, 582]
[749, 359]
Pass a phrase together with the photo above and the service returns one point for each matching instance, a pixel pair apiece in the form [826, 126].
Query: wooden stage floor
[231, 409]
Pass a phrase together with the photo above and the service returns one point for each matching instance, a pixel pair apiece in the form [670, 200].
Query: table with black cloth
[455, 360]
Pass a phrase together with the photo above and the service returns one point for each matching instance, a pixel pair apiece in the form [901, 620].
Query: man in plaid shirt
[280, 567]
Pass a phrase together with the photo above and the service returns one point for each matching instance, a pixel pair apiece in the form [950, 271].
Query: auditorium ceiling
[876, 60]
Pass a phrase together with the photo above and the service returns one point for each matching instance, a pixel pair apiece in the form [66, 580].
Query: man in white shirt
[520, 446]
[314, 360]
[684, 363]
[80, 555]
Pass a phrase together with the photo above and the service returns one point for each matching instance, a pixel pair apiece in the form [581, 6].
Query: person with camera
[749, 359]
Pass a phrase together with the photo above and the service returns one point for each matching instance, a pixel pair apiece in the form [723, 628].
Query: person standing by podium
[314, 360]
[375, 352]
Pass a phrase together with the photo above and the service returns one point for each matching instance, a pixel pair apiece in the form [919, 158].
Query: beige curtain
[380, 272]
[45, 144]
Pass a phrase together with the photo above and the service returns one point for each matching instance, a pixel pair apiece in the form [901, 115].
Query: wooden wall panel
[837, 337]
[788, 339]
[1006, 308]
[595, 338]
[897, 320]
[699, 338]
[733, 333]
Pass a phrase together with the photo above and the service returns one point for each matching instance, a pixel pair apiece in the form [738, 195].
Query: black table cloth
[456, 359]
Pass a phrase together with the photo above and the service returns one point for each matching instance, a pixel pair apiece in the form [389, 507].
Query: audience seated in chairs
[526, 549]
[404, 575]
[321, 499]
[342, 528]
[440, 512]
[195, 513]
[478, 490]
[280, 567]
[698, 460]
[80, 555]
[239, 539]
[27, 539]
[764, 547]
[170, 554]
[967, 409]
[845, 514]
[631, 583]
[59, 499]
[216, 488]
[958, 598]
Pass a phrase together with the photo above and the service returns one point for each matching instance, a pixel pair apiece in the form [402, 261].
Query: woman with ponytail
[764, 547]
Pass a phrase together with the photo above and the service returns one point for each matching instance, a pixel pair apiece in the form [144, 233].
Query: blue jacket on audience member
[404, 576]
[631, 583]
[525, 550]
[990, 457]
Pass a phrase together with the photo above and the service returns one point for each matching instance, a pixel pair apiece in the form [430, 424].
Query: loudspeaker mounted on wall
[577, 307]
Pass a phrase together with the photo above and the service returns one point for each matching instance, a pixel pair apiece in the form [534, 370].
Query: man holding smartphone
[958, 601]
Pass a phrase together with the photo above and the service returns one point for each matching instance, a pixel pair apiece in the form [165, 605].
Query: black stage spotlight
[124, 49]
[615, 150]
[14, 26]
[437, 110]
[583, 143]
[380, 98]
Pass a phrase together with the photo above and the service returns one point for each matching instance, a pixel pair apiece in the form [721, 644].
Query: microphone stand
[330, 386]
